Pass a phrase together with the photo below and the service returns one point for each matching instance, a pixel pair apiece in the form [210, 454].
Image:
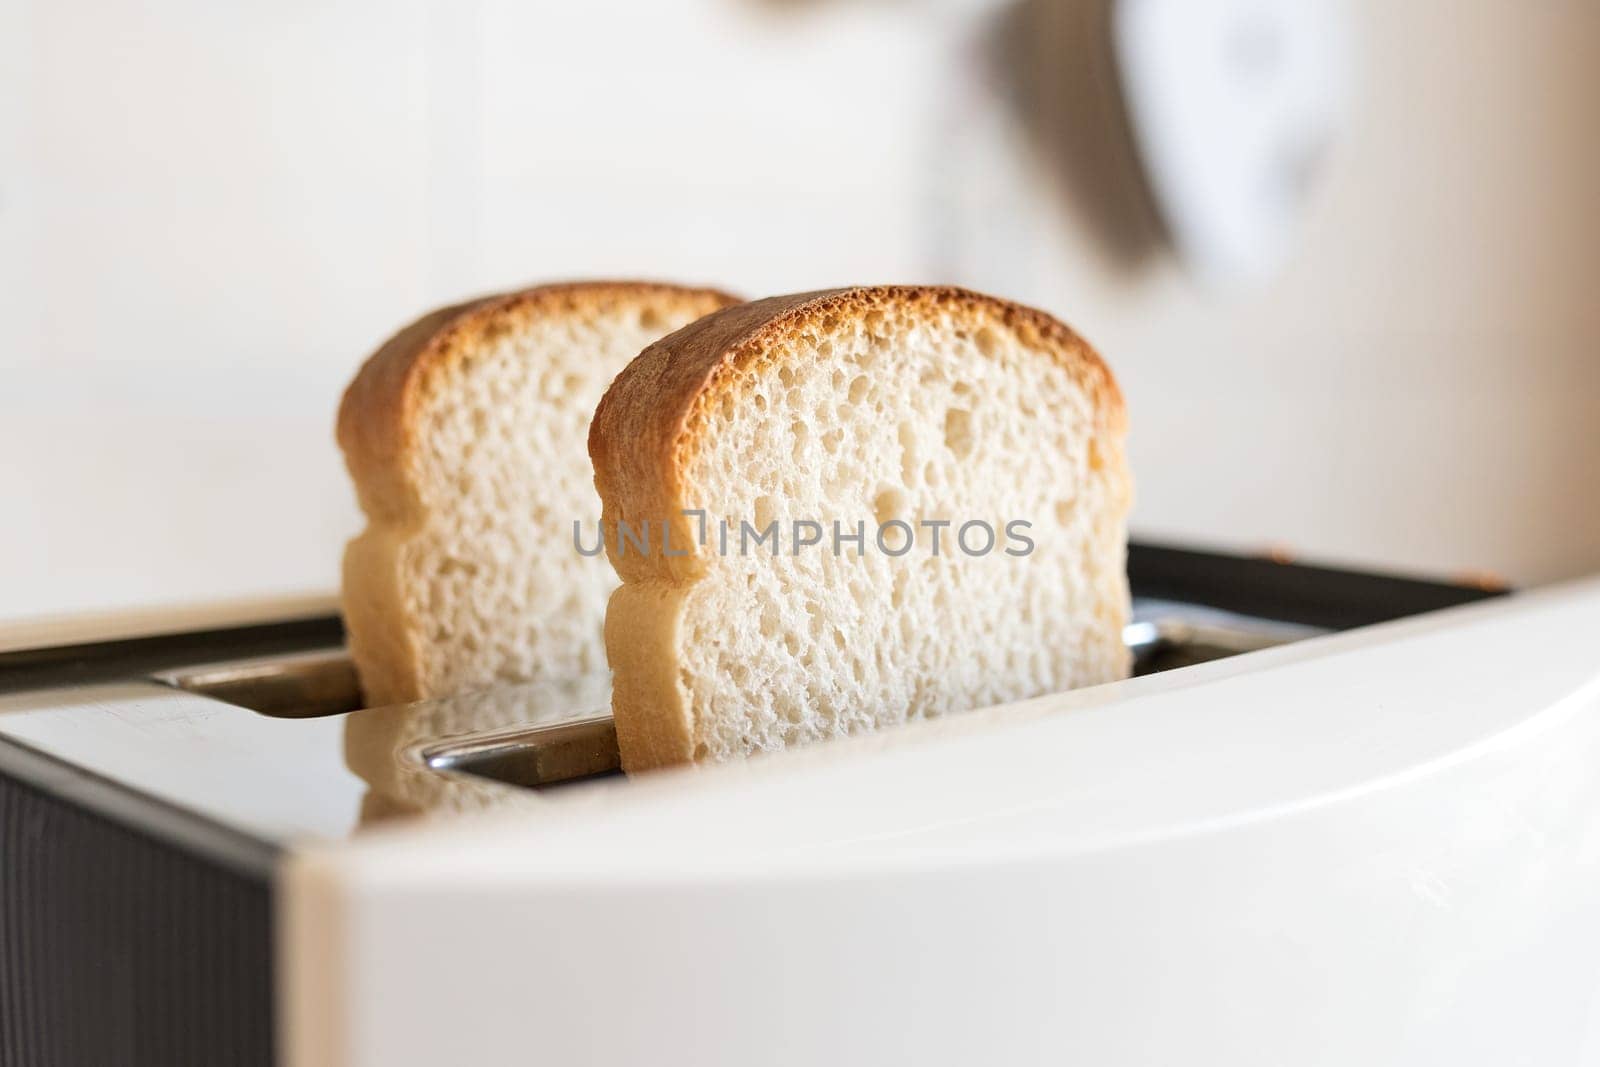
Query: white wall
[210, 213]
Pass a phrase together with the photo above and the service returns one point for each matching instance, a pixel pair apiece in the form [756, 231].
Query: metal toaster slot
[1165, 644]
[578, 749]
[564, 753]
[309, 685]
[303, 686]
[532, 758]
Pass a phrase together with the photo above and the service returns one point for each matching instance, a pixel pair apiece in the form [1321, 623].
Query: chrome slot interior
[536, 758]
[584, 746]
[303, 686]
[584, 749]
[1168, 643]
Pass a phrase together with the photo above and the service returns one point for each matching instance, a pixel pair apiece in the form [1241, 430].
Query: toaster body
[1337, 818]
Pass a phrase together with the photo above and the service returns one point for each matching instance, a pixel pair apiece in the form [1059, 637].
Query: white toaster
[1338, 819]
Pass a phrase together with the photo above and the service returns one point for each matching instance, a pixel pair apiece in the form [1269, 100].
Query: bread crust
[378, 427]
[656, 414]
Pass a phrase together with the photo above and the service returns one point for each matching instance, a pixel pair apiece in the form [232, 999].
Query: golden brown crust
[651, 421]
[647, 426]
[377, 427]
[641, 630]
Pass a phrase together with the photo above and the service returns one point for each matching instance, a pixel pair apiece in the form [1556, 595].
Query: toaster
[1335, 817]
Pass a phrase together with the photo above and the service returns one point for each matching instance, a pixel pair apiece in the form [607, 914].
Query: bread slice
[465, 435]
[864, 405]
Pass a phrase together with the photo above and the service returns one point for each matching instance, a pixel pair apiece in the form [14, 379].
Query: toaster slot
[303, 686]
[582, 746]
[309, 685]
[1165, 643]
[534, 757]
[578, 750]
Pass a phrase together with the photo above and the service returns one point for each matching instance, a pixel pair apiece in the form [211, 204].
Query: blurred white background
[210, 213]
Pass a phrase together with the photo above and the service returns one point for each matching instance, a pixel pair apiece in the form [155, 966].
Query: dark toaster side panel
[118, 949]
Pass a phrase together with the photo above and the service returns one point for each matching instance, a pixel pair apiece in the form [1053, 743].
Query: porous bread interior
[901, 413]
[489, 582]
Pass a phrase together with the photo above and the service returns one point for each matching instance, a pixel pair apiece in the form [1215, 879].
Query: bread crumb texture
[871, 405]
[466, 439]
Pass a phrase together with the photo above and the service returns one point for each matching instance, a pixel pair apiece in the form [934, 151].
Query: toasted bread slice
[866, 407]
[465, 435]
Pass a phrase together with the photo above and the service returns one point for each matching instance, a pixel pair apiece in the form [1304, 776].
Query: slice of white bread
[465, 436]
[857, 405]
